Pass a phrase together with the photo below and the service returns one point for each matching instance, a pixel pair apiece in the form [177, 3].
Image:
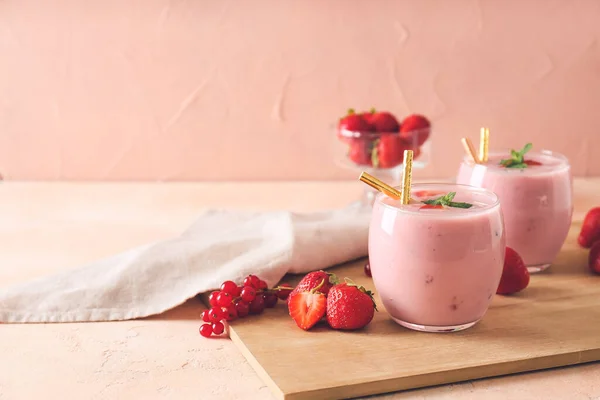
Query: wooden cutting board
[554, 322]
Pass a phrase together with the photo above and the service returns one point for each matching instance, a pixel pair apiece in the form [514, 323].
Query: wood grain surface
[554, 322]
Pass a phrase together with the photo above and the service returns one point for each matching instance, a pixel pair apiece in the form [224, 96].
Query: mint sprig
[446, 200]
[517, 158]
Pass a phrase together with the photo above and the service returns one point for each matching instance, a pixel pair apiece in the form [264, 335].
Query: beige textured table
[51, 227]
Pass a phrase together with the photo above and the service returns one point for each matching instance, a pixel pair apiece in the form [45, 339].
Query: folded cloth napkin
[219, 246]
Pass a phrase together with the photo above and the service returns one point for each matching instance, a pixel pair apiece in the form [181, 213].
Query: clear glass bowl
[381, 154]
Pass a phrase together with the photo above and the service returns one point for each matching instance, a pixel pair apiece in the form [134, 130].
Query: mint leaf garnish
[446, 200]
[517, 158]
[460, 204]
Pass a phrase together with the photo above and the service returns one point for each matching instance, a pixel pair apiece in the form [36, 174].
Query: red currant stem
[282, 288]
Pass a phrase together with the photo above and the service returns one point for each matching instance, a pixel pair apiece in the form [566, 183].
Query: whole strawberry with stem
[383, 121]
[352, 124]
[314, 279]
[350, 306]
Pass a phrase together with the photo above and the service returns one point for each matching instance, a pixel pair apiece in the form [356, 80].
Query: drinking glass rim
[423, 186]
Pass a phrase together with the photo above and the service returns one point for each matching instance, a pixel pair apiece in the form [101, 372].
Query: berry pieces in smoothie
[515, 276]
[444, 201]
[590, 229]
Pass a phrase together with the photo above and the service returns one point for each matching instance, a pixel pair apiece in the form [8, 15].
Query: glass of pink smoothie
[435, 268]
[536, 201]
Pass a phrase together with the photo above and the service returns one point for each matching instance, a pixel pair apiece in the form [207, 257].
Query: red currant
[217, 328]
[248, 294]
[206, 330]
[205, 316]
[270, 299]
[224, 299]
[255, 281]
[229, 312]
[257, 305]
[215, 314]
[238, 291]
[284, 291]
[242, 309]
[247, 281]
[212, 299]
[368, 269]
[262, 285]
[229, 287]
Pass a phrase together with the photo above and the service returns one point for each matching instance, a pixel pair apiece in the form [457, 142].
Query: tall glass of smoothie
[436, 264]
[536, 200]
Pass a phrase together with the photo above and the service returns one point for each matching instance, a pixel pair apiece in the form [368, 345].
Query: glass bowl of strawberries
[374, 141]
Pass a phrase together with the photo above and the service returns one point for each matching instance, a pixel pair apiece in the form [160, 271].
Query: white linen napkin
[219, 246]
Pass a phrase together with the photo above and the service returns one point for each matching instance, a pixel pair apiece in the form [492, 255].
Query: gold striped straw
[380, 185]
[470, 149]
[484, 143]
[407, 176]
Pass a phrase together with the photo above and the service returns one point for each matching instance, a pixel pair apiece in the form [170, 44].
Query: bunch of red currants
[233, 301]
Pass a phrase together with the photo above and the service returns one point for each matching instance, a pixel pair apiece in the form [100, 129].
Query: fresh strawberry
[383, 121]
[307, 307]
[515, 276]
[350, 306]
[354, 122]
[594, 258]
[532, 163]
[388, 151]
[360, 152]
[313, 280]
[415, 129]
[368, 116]
[590, 229]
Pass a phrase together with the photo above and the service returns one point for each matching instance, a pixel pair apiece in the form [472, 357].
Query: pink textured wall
[168, 89]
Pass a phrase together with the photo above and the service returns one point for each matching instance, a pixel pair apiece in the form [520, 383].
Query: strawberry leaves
[517, 158]
[446, 200]
[350, 282]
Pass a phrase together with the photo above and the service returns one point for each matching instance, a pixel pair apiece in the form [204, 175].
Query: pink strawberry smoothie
[536, 202]
[437, 270]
